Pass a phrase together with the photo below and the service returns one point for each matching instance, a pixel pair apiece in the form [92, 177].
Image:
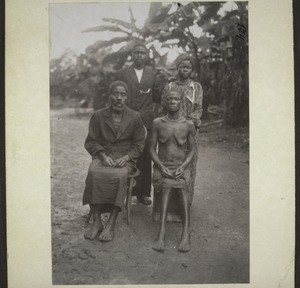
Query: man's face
[118, 98]
[139, 56]
[173, 101]
[185, 69]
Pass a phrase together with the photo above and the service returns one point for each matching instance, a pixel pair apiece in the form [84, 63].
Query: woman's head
[185, 66]
[174, 99]
[118, 95]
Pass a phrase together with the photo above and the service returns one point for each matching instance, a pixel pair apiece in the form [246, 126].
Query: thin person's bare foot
[94, 230]
[107, 234]
[160, 242]
[184, 245]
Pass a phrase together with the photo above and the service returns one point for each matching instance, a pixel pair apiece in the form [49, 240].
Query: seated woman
[174, 136]
[115, 141]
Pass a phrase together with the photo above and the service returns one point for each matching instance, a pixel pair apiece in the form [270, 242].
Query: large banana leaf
[175, 34]
[211, 9]
[185, 22]
[161, 14]
[106, 43]
[132, 20]
[162, 21]
[118, 59]
[156, 20]
[104, 28]
[203, 41]
[129, 46]
[154, 9]
[125, 24]
[155, 27]
[222, 29]
[231, 14]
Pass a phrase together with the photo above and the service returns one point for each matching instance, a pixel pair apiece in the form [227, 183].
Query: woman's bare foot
[184, 245]
[94, 230]
[160, 242]
[107, 234]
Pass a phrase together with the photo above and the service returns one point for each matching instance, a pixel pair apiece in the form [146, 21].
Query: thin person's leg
[108, 232]
[146, 175]
[193, 166]
[184, 245]
[97, 225]
[165, 198]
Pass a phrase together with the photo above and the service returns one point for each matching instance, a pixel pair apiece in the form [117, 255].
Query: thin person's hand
[121, 162]
[166, 172]
[179, 172]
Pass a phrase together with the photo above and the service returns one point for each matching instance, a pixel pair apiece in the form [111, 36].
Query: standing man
[142, 95]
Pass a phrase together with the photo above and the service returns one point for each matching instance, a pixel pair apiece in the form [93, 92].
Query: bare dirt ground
[219, 218]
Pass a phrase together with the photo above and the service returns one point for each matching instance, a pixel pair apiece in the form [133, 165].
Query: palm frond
[132, 20]
[210, 12]
[104, 28]
[106, 43]
[125, 24]
[118, 59]
[161, 14]
[230, 14]
[154, 9]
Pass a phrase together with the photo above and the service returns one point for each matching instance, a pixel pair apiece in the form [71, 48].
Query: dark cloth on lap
[106, 185]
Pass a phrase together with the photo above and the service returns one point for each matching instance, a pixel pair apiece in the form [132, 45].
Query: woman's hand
[166, 172]
[106, 160]
[179, 172]
[121, 162]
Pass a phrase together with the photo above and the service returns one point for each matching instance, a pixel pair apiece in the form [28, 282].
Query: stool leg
[128, 202]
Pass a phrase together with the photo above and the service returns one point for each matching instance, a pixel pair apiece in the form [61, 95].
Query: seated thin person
[115, 141]
[175, 138]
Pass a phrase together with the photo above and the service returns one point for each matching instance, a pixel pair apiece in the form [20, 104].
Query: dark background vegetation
[221, 56]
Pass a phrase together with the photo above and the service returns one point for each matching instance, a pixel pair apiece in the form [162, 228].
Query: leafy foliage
[218, 42]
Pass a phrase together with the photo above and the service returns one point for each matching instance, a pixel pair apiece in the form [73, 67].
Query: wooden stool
[131, 184]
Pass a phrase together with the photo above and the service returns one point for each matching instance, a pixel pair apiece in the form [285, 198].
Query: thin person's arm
[196, 114]
[191, 149]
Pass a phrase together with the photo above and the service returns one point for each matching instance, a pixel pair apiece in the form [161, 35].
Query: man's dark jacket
[103, 137]
[141, 96]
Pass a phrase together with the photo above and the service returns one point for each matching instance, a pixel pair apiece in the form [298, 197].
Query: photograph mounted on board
[149, 108]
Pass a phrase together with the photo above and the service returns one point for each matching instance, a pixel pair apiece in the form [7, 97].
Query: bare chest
[173, 132]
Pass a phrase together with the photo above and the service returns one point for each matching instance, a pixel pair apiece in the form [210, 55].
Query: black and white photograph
[149, 143]
[149, 115]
